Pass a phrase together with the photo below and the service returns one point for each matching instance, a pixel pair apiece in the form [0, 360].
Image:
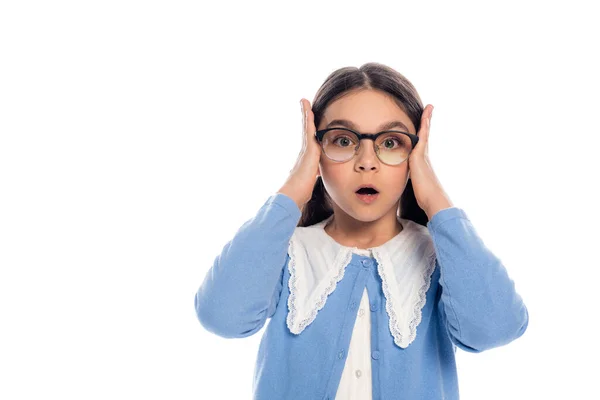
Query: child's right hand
[299, 185]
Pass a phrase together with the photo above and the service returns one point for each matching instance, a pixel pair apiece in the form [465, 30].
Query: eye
[390, 141]
[343, 139]
[386, 142]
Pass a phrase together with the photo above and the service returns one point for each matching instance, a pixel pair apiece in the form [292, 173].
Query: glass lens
[340, 145]
[394, 147]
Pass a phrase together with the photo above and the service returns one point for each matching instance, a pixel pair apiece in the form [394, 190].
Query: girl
[370, 276]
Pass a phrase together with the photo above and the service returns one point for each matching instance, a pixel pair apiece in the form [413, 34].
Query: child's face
[368, 110]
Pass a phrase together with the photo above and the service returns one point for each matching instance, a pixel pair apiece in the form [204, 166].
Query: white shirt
[317, 263]
[356, 377]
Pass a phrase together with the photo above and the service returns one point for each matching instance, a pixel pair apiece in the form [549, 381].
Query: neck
[351, 232]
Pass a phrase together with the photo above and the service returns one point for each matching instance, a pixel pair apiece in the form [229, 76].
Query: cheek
[399, 179]
[336, 176]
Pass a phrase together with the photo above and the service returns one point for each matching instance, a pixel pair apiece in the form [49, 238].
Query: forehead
[367, 109]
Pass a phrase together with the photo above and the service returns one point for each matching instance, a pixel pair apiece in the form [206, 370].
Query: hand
[427, 188]
[301, 182]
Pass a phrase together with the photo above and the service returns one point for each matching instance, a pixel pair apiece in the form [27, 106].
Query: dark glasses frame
[414, 139]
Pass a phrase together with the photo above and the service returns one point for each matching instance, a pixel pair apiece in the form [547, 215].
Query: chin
[366, 214]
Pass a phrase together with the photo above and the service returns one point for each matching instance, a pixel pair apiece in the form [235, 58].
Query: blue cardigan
[471, 304]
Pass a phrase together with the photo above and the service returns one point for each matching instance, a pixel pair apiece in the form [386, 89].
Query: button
[353, 305]
[374, 307]
[341, 354]
[375, 355]
[367, 263]
[361, 312]
[358, 373]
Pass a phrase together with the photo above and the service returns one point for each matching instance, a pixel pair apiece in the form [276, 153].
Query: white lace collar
[405, 264]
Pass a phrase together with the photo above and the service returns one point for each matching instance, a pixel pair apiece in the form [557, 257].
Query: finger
[305, 126]
[429, 122]
[310, 124]
[310, 119]
[422, 133]
[425, 123]
[426, 116]
[302, 110]
[303, 114]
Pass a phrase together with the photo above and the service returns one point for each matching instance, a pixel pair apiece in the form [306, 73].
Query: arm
[242, 288]
[478, 303]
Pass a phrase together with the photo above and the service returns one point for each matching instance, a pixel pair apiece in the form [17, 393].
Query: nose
[367, 148]
[366, 157]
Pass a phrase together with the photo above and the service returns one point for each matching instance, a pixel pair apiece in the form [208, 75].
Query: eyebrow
[384, 127]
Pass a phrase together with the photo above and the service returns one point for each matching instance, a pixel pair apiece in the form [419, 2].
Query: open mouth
[367, 195]
[367, 191]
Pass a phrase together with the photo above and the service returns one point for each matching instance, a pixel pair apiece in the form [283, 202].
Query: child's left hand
[427, 188]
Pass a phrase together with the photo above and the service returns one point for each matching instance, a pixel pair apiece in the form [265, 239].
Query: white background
[134, 145]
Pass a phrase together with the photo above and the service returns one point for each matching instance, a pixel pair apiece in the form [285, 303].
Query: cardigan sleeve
[478, 303]
[242, 287]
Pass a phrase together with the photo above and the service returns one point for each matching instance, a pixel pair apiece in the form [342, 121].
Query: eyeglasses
[342, 144]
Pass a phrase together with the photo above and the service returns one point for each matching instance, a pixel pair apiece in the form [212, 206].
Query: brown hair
[342, 81]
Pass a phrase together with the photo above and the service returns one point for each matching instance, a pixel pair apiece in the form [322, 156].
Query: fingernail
[302, 106]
